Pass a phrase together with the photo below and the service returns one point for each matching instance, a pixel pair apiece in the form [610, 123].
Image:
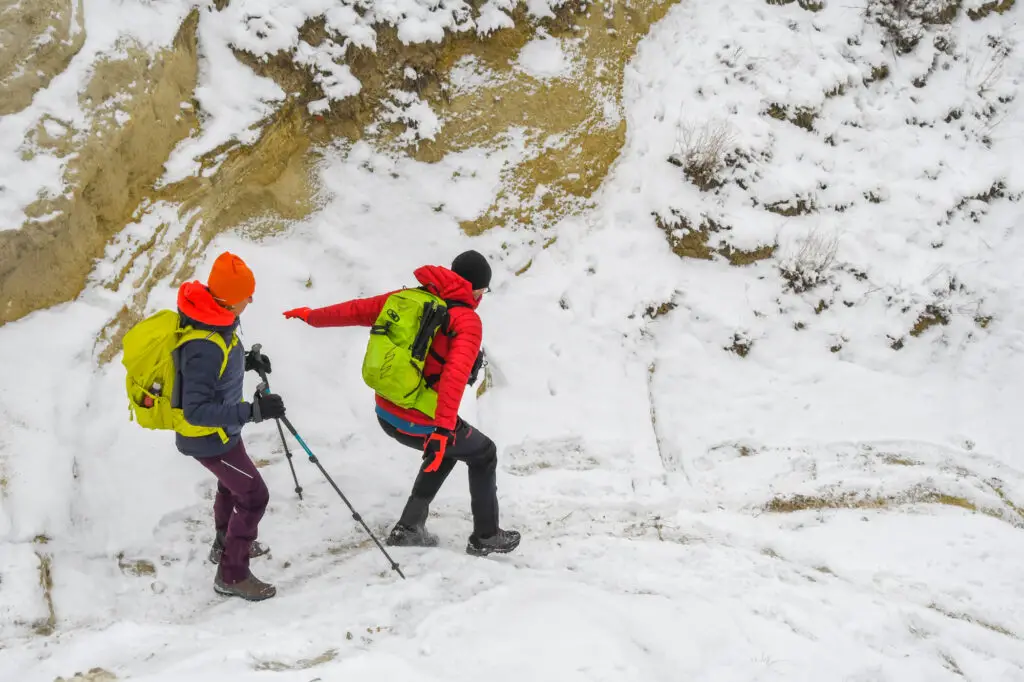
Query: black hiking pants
[480, 455]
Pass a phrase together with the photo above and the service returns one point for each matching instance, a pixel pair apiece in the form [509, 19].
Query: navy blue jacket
[206, 397]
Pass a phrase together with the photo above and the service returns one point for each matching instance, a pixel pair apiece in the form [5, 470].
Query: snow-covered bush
[700, 152]
[809, 263]
[905, 21]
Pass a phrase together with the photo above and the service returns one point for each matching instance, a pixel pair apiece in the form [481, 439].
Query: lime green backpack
[148, 358]
[400, 340]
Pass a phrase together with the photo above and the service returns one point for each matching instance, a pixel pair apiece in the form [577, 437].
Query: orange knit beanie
[231, 281]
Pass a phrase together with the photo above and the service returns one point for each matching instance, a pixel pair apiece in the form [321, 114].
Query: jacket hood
[446, 284]
[197, 303]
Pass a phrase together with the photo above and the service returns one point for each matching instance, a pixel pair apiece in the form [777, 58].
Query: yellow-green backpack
[400, 340]
[148, 358]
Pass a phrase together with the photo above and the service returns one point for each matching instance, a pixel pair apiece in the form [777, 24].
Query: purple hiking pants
[242, 498]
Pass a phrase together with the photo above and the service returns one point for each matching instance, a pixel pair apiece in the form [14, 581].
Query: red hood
[196, 301]
[446, 284]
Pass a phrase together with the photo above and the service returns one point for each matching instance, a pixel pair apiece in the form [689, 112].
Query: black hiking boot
[411, 529]
[256, 549]
[405, 536]
[249, 589]
[502, 542]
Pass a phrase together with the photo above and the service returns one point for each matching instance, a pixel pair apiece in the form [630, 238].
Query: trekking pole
[265, 388]
[287, 453]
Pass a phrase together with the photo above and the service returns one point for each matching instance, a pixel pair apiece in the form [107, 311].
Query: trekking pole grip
[256, 348]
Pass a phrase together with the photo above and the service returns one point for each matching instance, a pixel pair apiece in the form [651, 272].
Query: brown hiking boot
[250, 589]
[256, 549]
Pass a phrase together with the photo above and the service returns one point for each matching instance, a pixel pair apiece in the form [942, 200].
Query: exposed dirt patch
[878, 73]
[916, 495]
[852, 500]
[485, 382]
[46, 626]
[791, 208]
[741, 257]
[899, 460]
[801, 117]
[741, 345]
[135, 567]
[555, 175]
[654, 312]
[933, 315]
[574, 125]
[269, 180]
[301, 664]
[997, 6]
[48, 260]
[688, 241]
[809, 5]
[38, 38]
[971, 619]
[94, 675]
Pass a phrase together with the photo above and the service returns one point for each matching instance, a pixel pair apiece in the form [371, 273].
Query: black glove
[267, 406]
[477, 365]
[257, 362]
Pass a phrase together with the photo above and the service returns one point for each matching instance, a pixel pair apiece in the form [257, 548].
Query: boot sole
[215, 557]
[484, 551]
[228, 592]
[411, 544]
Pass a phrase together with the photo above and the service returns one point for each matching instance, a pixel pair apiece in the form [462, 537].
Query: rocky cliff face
[156, 157]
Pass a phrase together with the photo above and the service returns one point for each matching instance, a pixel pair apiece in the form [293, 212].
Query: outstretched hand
[300, 313]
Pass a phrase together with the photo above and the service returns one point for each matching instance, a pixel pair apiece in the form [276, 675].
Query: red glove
[433, 449]
[301, 313]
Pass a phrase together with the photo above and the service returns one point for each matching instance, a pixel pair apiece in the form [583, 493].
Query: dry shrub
[810, 262]
[700, 152]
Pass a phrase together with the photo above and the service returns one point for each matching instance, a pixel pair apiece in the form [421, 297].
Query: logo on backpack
[393, 315]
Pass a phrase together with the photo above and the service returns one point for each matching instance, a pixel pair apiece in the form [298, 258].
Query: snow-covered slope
[722, 472]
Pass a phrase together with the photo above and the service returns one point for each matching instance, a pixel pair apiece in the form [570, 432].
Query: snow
[233, 99]
[419, 119]
[493, 17]
[544, 58]
[648, 467]
[469, 74]
[336, 80]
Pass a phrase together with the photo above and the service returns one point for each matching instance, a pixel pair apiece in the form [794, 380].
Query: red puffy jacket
[458, 349]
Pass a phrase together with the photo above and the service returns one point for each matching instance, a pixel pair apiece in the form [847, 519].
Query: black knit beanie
[473, 268]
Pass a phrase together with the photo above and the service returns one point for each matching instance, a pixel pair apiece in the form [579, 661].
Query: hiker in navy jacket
[210, 397]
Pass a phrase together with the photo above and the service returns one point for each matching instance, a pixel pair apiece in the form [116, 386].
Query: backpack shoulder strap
[451, 303]
[190, 334]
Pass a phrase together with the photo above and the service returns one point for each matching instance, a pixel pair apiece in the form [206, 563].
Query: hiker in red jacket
[446, 438]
